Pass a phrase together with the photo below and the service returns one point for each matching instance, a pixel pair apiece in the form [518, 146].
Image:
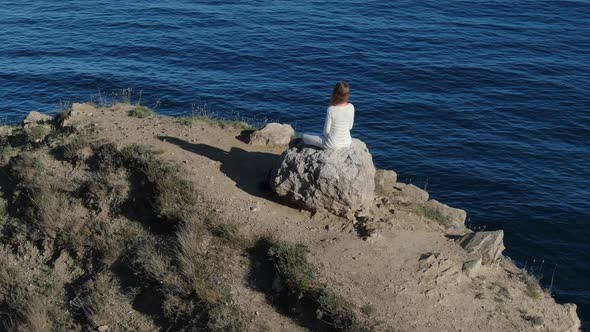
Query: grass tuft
[432, 214]
[141, 112]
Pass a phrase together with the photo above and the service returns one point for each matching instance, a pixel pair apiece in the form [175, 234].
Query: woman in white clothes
[339, 121]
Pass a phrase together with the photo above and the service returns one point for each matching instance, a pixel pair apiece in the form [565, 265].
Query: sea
[484, 103]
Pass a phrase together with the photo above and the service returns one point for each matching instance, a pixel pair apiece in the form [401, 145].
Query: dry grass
[88, 214]
[141, 112]
[323, 308]
[433, 215]
[172, 197]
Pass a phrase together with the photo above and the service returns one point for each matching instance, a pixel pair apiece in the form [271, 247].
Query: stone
[487, 245]
[272, 134]
[103, 328]
[384, 181]
[414, 193]
[471, 268]
[70, 118]
[455, 217]
[6, 130]
[339, 181]
[399, 185]
[35, 118]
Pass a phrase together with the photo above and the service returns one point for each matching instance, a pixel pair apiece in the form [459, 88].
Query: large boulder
[340, 181]
[272, 134]
[487, 245]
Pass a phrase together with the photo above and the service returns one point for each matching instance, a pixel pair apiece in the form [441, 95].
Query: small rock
[487, 245]
[399, 185]
[471, 268]
[384, 181]
[34, 118]
[272, 134]
[254, 208]
[455, 217]
[373, 237]
[6, 130]
[69, 119]
[103, 328]
[414, 193]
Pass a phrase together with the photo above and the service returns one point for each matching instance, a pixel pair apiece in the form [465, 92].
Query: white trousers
[315, 140]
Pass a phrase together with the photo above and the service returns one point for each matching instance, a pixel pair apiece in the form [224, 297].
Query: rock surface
[35, 118]
[414, 193]
[471, 268]
[272, 134]
[487, 245]
[454, 217]
[340, 181]
[70, 118]
[385, 181]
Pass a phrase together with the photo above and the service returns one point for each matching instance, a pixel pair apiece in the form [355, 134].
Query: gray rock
[339, 181]
[487, 245]
[455, 217]
[414, 193]
[272, 134]
[6, 130]
[471, 268]
[69, 119]
[384, 181]
[35, 118]
[399, 185]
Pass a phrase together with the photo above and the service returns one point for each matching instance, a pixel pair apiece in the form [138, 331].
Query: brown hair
[340, 93]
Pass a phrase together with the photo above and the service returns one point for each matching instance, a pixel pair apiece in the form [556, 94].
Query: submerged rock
[339, 181]
[272, 134]
[487, 245]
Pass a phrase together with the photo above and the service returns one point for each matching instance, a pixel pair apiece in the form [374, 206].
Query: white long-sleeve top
[339, 122]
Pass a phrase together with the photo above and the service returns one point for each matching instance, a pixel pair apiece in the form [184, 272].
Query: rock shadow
[249, 170]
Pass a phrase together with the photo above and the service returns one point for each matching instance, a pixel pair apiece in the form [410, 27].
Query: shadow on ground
[249, 170]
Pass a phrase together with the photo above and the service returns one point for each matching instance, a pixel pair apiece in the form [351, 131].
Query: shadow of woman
[249, 170]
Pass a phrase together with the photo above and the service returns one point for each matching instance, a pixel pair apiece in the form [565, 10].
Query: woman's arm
[328, 123]
[352, 119]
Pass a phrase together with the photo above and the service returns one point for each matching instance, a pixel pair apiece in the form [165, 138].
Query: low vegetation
[296, 289]
[432, 214]
[141, 112]
[79, 248]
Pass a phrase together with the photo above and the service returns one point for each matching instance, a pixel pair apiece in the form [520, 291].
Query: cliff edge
[113, 218]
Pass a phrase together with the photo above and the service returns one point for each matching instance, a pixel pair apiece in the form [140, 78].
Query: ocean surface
[485, 103]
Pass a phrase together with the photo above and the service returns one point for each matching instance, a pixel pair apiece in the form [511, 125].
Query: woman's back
[339, 122]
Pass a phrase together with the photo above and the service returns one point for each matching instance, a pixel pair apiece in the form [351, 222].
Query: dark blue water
[485, 102]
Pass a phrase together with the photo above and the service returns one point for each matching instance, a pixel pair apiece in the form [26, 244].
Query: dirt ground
[406, 277]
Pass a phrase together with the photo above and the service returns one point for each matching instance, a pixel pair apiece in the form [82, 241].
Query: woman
[339, 120]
